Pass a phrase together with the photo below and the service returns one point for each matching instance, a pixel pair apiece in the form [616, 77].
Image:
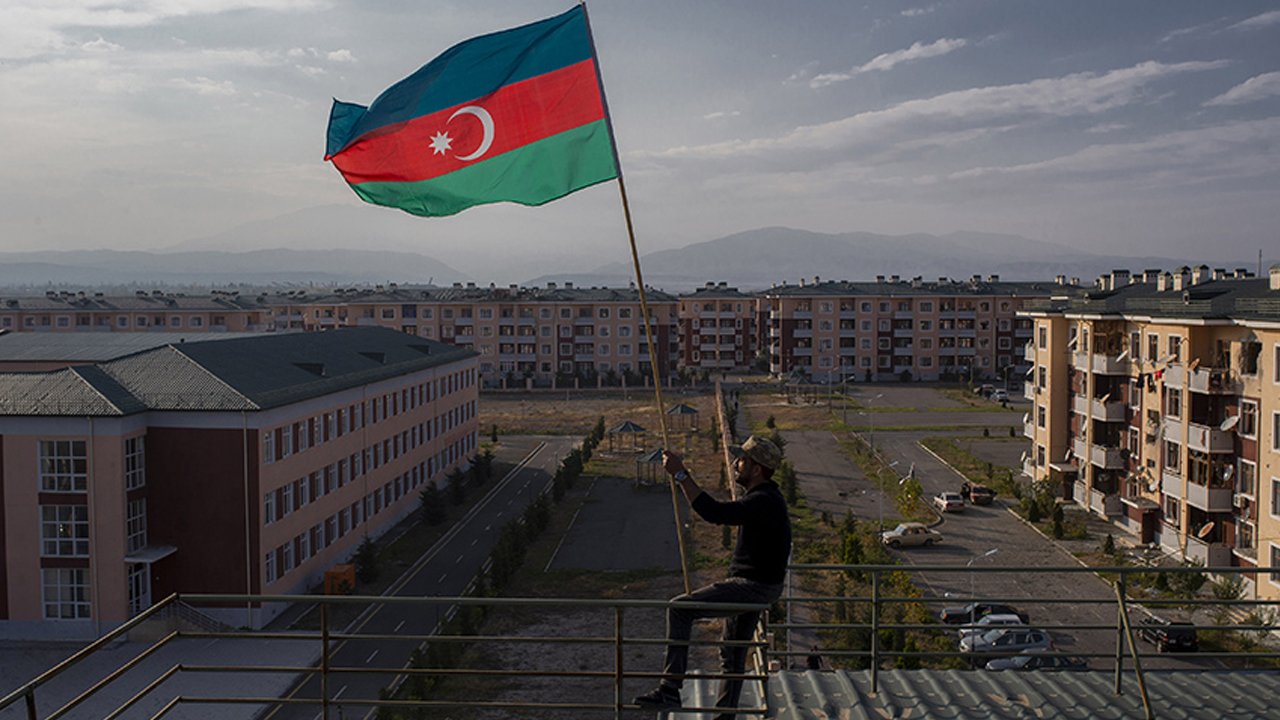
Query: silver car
[1006, 641]
[989, 622]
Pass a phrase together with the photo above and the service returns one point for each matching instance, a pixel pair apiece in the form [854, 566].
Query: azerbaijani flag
[515, 116]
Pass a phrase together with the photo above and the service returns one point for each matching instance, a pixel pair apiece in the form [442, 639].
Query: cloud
[1265, 19]
[311, 70]
[34, 27]
[341, 56]
[889, 60]
[1176, 158]
[1077, 94]
[1101, 128]
[917, 12]
[721, 114]
[205, 86]
[99, 45]
[1255, 88]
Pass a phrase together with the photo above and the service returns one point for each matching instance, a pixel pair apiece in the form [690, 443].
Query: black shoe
[664, 696]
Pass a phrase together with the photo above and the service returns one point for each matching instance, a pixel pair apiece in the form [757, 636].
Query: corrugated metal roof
[93, 347]
[1234, 298]
[958, 694]
[75, 391]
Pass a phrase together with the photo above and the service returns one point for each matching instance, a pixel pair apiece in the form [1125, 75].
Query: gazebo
[649, 467]
[628, 428]
[683, 417]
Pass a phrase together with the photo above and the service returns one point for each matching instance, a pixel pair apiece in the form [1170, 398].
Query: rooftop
[97, 347]
[1244, 298]
[252, 372]
[896, 287]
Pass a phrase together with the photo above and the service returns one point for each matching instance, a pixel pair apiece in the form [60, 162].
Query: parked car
[1168, 635]
[984, 389]
[990, 621]
[910, 535]
[948, 502]
[1000, 395]
[1007, 641]
[1038, 660]
[977, 494]
[976, 611]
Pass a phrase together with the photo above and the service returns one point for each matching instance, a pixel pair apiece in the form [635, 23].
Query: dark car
[977, 494]
[1168, 635]
[1038, 661]
[974, 612]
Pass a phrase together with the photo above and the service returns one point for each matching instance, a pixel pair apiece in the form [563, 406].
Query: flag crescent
[486, 123]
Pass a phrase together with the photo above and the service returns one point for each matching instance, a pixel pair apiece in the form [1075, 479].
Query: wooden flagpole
[644, 303]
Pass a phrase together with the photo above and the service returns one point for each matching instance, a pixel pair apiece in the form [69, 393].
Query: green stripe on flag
[534, 174]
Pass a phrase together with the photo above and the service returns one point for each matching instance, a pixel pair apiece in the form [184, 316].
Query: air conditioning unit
[1240, 501]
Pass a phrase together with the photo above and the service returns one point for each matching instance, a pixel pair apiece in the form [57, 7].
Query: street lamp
[973, 601]
[871, 419]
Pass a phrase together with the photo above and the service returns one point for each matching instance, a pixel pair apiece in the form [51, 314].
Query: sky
[1149, 127]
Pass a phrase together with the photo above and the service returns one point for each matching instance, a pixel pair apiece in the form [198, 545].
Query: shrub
[432, 503]
[366, 561]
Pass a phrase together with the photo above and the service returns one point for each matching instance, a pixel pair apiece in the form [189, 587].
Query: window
[1248, 426]
[136, 525]
[1247, 478]
[1172, 457]
[1040, 456]
[270, 566]
[268, 447]
[1275, 364]
[1275, 431]
[1172, 510]
[64, 530]
[1275, 498]
[135, 462]
[1173, 403]
[1175, 348]
[926, 306]
[66, 593]
[1275, 562]
[1040, 416]
[1153, 347]
[63, 466]
[1043, 337]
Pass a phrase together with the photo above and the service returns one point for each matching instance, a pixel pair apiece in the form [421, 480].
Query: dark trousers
[737, 626]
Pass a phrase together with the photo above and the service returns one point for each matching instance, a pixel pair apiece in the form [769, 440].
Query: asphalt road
[831, 482]
[444, 571]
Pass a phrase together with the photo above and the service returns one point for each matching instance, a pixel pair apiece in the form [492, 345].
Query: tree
[433, 512]
[597, 433]
[787, 480]
[366, 561]
[770, 423]
[482, 467]
[457, 488]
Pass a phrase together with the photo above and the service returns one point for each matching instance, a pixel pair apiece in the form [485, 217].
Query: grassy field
[575, 413]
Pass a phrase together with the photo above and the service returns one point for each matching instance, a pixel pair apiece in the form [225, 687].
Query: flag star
[440, 142]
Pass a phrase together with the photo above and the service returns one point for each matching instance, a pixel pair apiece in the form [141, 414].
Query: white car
[1000, 396]
[949, 502]
[986, 623]
[911, 534]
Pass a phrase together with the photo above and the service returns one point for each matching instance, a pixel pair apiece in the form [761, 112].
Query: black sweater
[764, 540]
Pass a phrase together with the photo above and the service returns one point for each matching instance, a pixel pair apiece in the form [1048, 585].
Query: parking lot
[980, 537]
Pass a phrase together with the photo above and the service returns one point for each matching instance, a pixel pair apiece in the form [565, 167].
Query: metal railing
[329, 642]
[883, 594]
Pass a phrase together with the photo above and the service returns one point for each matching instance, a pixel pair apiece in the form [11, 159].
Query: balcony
[802, 332]
[1028, 428]
[1175, 376]
[1209, 439]
[802, 314]
[1207, 554]
[1029, 353]
[1212, 381]
[1171, 484]
[1103, 456]
[1029, 390]
[1209, 498]
[802, 352]
[1029, 469]
[1106, 505]
[1112, 411]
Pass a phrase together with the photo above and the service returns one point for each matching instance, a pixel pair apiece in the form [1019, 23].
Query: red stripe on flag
[522, 113]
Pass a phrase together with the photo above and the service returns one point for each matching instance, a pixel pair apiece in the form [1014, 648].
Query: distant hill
[762, 257]
[260, 267]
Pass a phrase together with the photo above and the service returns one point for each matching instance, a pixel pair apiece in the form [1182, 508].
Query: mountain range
[309, 248]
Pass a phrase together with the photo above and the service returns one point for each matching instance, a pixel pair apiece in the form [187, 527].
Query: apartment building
[1156, 404]
[237, 465]
[141, 312]
[718, 329]
[895, 329]
[524, 336]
